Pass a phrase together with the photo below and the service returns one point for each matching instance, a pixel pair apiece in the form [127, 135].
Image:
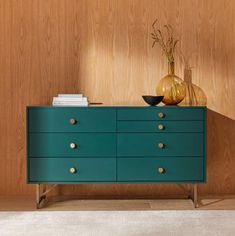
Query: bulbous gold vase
[171, 87]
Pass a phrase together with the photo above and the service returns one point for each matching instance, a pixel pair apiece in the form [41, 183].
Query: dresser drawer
[161, 113]
[177, 169]
[160, 126]
[66, 119]
[147, 144]
[72, 144]
[59, 169]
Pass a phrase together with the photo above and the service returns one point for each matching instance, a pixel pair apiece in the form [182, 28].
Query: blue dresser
[77, 145]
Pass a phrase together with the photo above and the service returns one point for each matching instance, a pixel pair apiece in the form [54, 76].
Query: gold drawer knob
[161, 170]
[161, 127]
[72, 145]
[161, 115]
[72, 170]
[161, 145]
[72, 121]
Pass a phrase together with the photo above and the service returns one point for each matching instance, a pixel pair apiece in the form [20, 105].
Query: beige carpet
[120, 223]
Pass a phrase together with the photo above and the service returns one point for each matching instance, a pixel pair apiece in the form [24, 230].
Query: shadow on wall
[220, 154]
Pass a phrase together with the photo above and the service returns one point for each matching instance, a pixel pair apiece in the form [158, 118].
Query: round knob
[161, 115]
[161, 170]
[72, 170]
[161, 127]
[72, 145]
[161, 145]
[72, 121]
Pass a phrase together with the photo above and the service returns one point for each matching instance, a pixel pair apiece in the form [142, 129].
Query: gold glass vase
[171, 87]
[195, 96]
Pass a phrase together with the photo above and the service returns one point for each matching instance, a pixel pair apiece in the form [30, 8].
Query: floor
[68, 203]
[118, 223]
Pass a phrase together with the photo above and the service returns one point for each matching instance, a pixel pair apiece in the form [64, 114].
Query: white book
[65, 99]
[71, 95]
[70, 103]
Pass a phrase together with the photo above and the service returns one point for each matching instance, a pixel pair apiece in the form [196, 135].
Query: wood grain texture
[102, 48]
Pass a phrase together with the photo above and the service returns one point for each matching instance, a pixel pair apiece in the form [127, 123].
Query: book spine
[69, 99]
[55, 103]
[71, 95]
[68, 105]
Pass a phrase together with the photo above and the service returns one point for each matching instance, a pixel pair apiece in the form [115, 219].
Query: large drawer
[59, 169]
[160, 126]
[161, 113]
[150, 144]
[177, 169]
[67, 119]
[72, 144]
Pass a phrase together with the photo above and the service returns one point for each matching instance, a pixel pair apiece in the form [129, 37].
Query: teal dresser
[82, 145]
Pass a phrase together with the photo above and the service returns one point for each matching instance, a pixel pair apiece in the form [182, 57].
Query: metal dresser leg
[192, 193]
[195, 197]
[41, 194]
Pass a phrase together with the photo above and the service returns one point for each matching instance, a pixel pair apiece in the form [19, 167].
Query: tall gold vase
[195, 96]
[171, 87]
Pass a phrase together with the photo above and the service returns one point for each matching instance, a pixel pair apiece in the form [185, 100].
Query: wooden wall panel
[102, 48]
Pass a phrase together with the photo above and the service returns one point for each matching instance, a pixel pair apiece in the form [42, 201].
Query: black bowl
[152, 100]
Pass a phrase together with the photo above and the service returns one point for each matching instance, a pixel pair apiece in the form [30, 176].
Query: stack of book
[70, 100]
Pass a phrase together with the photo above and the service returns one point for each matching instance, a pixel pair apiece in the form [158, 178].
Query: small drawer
[181, 169]
[72, 144]
[75, 119]
[160, 126]
[161, 113]
[72, 170]
[160, 144]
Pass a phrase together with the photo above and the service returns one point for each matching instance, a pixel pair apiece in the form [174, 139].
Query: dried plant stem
[167, 43]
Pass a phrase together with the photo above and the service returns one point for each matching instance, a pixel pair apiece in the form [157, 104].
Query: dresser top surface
[117, 106]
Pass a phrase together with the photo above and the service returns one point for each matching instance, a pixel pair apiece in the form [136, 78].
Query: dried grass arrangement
[165, 40]
[170, 86]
